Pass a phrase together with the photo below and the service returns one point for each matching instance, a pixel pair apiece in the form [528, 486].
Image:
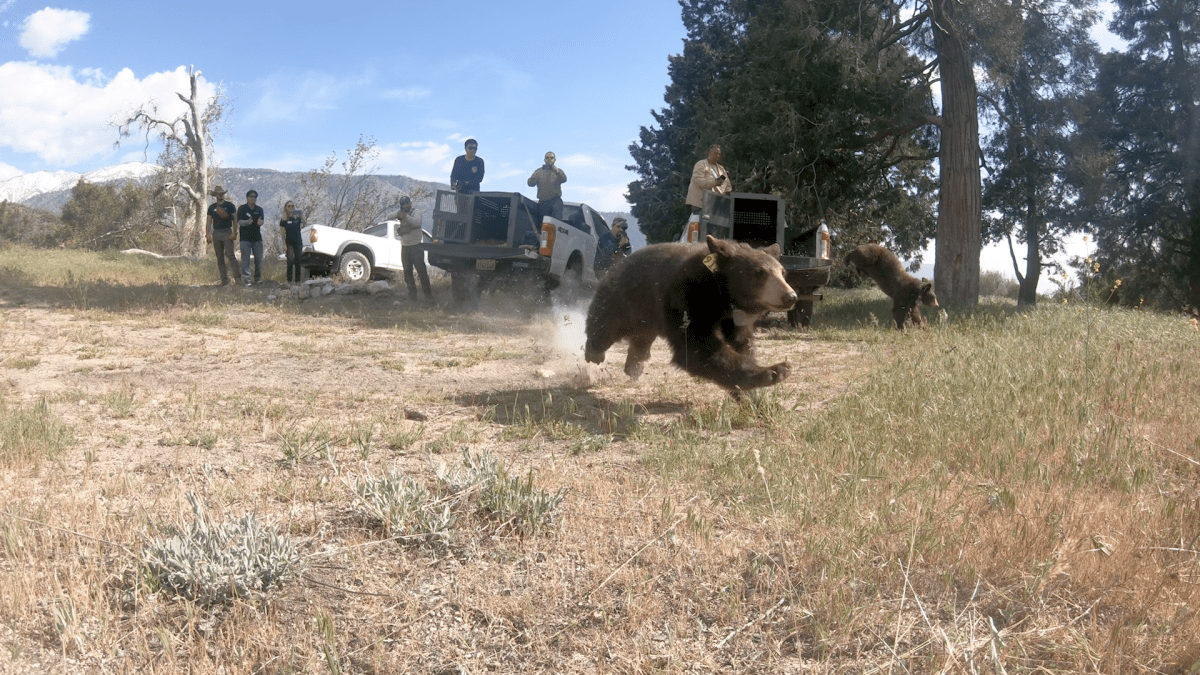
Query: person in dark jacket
[291, 222]
[467, 173]
[250, 220]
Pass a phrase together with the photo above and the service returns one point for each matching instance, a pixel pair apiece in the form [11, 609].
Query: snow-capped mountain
[27, 185]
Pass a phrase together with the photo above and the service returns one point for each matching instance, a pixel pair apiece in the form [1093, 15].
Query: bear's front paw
[779, 372]
[592, 356]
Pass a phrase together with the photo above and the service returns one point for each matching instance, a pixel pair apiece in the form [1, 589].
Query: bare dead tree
[347, 193]
[185, 170]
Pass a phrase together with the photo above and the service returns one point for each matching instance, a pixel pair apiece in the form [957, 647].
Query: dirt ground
[203, 397]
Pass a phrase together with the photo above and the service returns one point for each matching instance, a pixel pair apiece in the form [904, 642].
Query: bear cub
[906, 291]
[703, 298]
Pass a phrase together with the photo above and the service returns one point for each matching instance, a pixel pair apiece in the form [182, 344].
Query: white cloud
[47, 31]
[602, 197]
[66, 117]
[406, 94]
[292, 101]
[423, 160]
[7, 171]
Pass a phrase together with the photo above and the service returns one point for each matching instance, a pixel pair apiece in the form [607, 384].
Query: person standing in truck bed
[549, 179]
[707, 175]
[467, 173]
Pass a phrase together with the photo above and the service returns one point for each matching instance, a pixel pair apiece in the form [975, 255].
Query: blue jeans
[249, 248]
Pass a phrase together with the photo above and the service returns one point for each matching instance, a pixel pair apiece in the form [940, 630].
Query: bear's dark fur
[907, 292]
[703, 298]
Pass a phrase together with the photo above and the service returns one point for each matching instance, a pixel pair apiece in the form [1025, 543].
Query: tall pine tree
[1146, 121]
[1038, 65]
[805, 104]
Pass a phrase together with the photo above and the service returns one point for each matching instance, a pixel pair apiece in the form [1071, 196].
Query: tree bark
[194, 138]
[959, 234]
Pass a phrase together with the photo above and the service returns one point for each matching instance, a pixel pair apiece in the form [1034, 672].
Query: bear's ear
[772, 250]
[926, 287]
[717, 245]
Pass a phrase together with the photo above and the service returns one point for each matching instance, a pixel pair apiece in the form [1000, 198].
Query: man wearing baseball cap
[220, 232]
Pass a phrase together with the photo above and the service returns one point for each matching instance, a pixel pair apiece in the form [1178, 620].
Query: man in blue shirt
[220, 233]
[467, 173]
[250, 220]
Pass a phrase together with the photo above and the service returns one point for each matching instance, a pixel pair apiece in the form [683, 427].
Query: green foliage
[103, 216]
[20, 224]
[805, 104]
[993, 283]
[214, 563]
[1144, 118]
[1039, 67]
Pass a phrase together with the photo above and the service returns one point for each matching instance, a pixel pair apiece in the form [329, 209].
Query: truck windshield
[378, 230]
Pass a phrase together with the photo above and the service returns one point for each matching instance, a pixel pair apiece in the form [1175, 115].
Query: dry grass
[1002, 493]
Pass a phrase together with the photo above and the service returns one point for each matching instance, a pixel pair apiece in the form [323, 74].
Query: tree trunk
[1027, 295]
[959, 235]
[195, 138]
[1191, 180]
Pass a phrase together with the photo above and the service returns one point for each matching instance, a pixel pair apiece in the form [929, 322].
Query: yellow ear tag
[710, 261]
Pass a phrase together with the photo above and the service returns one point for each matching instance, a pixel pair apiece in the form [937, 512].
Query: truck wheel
[571, 287]
[464, 288]
[354, 267]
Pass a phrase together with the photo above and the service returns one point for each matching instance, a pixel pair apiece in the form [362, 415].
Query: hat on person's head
[619, 222]
[406, 202]
[252, 193]
[218, 191]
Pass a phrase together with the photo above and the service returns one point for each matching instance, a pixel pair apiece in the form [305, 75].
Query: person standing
[292, 222]
[220, 233]
[250, 220]
[549, 179]
[412, 257]
[707, 175]
[467, 173]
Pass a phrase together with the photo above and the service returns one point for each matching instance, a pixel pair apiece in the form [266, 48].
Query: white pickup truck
[355, 255]
[498, 240]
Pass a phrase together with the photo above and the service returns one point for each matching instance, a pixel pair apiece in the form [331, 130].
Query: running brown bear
[906, 291]
[703, 298]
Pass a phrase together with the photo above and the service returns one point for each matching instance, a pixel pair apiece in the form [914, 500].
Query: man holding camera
[412, 257]
[549, 179]
[707, 174]
[220, 233]
[250, 220]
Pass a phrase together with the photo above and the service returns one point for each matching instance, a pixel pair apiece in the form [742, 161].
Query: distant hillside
[42, 189]
[50, 191]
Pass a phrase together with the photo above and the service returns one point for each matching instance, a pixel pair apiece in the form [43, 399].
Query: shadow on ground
[561, 410]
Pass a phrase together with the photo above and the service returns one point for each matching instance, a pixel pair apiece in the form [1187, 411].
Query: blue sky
[305, 79]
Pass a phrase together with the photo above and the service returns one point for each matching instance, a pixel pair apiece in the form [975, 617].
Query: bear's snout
[789, 300]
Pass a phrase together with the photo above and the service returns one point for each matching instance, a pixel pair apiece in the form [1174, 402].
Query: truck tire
[354, 267]
[464, 288]
[570, 289]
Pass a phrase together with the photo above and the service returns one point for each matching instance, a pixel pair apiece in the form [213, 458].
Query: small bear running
[703, 298]
[907, 292]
